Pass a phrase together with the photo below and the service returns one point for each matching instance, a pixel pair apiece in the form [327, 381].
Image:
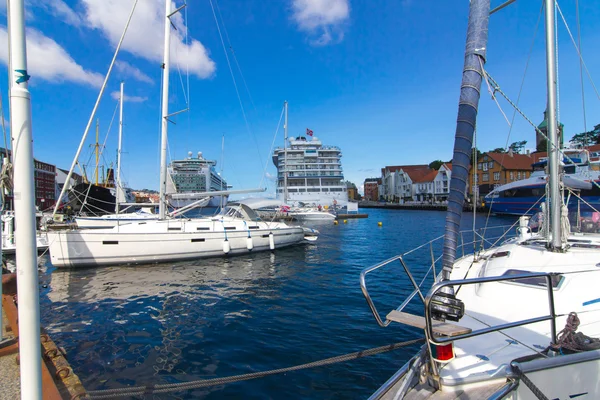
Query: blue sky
[379, 79]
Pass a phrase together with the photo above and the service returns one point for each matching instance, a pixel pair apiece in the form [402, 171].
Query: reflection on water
[150, 324]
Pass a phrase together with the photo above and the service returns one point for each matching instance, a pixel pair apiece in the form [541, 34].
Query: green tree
[516, 147]
[584, 139]
[436, 164]
[498, 150]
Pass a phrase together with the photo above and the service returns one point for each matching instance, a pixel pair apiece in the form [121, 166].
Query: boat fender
[249, 244]
[226, 246]
[271, 241]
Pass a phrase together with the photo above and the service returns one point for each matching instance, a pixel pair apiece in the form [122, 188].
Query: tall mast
[285, 140]
[118, 188]
[24, 189]
[96, 146]
[165, 114]
[475, 53]
[553, 150]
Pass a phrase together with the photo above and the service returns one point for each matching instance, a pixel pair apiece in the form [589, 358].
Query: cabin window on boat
[534, 281]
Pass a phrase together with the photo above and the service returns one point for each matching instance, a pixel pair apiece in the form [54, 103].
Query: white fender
[271, 241]
[249, 243]
[226, 246]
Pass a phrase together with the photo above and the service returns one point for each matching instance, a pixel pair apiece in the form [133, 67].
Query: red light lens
[442, 352]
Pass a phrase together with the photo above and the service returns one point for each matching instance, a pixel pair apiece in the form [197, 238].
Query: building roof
[512, 160]
[405, 168]
[429, 177]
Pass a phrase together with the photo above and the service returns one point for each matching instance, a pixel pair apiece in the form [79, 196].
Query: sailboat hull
[167, 241]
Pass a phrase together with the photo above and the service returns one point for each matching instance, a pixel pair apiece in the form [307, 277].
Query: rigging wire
[235, 82]
[233, 54]
[4, 127]
[512, 121]
[581, 68]
[272, 147]
[578, 51]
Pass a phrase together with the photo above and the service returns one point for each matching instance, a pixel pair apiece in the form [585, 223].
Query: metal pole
[165, 112]
[24, 192]
[285, 140]
[119, 188]
[553, 150]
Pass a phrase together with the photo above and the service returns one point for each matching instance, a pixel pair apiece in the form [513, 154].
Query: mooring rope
[176, 387]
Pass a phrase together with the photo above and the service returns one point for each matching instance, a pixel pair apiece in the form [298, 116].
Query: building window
[518, 175]
[479, 166]
[486, 177]
[496, 176]
[485, 166]
[512, 176]
[491, 164]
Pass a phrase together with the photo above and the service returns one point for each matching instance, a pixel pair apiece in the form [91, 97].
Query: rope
[571, 340]
[176, 387]
[534, 389]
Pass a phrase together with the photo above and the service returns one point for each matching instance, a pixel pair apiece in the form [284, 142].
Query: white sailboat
[237, 230]
[506, 303]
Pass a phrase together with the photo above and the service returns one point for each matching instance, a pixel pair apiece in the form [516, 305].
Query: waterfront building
[44, 181]
[314, 172]
[371, 188]
[495, 169]
[441, 182]
[397, 181]
[424, 187]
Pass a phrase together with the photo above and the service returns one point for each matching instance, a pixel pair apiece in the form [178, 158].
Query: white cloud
[47, 60]
[60, 10]
[323, 20]
[145, 35]
[127, 69]
[132, 99]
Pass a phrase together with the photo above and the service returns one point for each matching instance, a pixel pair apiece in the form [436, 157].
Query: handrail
[417, 290]
[550, 317]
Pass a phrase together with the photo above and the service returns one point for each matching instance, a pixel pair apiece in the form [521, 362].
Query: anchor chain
[177, 387]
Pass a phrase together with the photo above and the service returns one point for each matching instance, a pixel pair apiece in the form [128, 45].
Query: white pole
[553, 142]
[165, 112]
[285, 167]
[119, 188]
[24, 192]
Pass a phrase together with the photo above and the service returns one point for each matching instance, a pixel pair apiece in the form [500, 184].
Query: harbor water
[167, 323]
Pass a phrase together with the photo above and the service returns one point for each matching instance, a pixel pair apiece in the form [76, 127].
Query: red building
[44, 180]
[371, 186]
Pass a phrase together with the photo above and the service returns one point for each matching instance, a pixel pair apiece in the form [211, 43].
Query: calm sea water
[167, 323]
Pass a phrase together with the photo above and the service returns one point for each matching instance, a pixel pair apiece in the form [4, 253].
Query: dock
[351, 216]
[59, 381]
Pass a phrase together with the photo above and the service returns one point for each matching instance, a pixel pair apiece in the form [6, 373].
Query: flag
[284, 208]
[309, 132]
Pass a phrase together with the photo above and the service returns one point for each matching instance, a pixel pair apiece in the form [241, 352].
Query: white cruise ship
[314, 173]
[191, 176]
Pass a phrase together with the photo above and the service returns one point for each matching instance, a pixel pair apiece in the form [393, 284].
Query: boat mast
[96, 148]
[118, 189]
[477, 34]
[165, 113]
[285, 140]
[553, 150]
[24, 204]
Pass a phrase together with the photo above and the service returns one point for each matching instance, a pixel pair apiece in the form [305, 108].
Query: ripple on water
[151, 324]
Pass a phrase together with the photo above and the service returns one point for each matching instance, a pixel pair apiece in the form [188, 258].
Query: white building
[398, 181]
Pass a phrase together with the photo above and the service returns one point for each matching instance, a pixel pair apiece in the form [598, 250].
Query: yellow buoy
[345, 221]
[380, 224]
[335, 222]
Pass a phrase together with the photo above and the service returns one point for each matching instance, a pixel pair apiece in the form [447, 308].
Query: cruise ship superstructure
[314, 173]
[194, 175]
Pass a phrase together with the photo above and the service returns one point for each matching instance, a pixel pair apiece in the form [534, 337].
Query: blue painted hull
[531, 205]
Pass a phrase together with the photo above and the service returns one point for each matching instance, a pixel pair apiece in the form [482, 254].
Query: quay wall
[414, 206]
